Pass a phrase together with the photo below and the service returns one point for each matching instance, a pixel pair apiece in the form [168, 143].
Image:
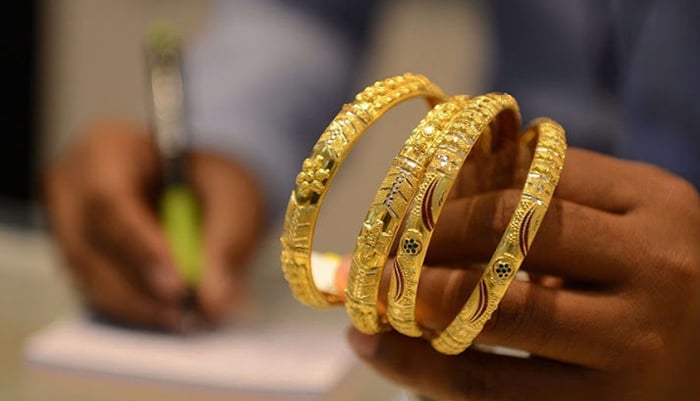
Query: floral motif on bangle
[311, 178]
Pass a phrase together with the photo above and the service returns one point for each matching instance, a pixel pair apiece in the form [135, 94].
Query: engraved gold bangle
[388, 210]
[320, 168]
[460, 136]
[539, 187]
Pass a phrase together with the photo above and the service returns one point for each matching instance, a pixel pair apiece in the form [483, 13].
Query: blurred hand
[102, 198]
[612, 314]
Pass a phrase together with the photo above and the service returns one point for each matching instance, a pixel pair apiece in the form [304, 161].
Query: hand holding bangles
[414, 192]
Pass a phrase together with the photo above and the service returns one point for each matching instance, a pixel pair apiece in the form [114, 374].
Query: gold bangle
[388, 211]
[539, 187]
[461, 134]
[320, 168]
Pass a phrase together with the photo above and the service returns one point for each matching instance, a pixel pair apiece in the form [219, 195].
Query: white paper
[253, 358]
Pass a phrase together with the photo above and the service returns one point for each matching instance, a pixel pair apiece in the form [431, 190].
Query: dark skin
[102, 201]
[613, 308]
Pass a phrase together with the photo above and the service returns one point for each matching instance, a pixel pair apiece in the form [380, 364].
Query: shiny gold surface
[390, 205]
[460, 136]
[322, 165]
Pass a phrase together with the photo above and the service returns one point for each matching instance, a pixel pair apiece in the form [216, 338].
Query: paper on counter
[252, 358]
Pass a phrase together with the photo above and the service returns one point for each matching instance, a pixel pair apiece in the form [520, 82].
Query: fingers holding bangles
[472, 227]
[375, 241]
[500, 271]
[555, 323]
[613, 284]
[473, 375]
[439, 146]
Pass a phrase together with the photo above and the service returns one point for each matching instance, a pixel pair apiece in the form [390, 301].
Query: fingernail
[364, 344]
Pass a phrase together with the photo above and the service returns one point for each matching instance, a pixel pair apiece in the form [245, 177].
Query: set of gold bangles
[410, 199]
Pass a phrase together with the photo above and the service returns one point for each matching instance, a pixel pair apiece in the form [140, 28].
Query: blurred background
[70, 62]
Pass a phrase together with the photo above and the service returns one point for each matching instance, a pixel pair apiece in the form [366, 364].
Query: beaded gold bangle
[321, 166]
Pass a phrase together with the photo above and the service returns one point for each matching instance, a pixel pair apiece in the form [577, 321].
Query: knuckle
[666, 187]
[687, 265]
[650, 345]
[687, 275]
[646, 348]
[679, 192]
[650, 171]
[638, 339]
[681, 267]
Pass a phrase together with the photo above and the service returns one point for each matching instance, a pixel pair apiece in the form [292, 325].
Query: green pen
[179, 208]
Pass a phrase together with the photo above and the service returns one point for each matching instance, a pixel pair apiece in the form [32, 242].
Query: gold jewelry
[321, 166]
[460, 136]
[540, 184]
[388, 211]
